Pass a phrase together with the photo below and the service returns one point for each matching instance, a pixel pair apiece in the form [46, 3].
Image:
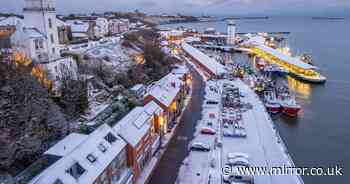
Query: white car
[238, 161]
[198, 146]
[237, 154]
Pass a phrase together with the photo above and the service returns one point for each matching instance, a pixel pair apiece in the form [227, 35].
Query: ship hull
[291, 111]
[321, 80]
[273, 109]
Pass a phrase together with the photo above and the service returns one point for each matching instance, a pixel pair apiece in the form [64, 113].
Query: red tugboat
[289, 104]
[271, 103]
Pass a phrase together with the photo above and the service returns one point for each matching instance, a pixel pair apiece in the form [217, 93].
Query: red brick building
[137, 128]
[169, 94]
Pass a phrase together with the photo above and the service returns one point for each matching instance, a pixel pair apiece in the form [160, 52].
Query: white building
[117, 26]
[101, 28]
[100, 157]
[231, 32]
[41, 15]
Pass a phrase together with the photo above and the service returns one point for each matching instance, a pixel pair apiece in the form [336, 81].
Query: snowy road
[167, 170]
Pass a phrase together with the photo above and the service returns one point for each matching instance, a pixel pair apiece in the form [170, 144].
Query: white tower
[41, 14]
[231, 32]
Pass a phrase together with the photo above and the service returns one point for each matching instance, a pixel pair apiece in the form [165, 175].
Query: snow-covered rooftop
[80, 35]
[91, 145]
[78, 26]
[166, 89]
[136, 124]
[254, 40]
[210, 63]
[33, 33]
[67, 145]
[11, 21]
[59, 22]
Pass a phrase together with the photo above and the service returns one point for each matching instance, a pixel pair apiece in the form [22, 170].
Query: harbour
[182, 92]
[303, 134]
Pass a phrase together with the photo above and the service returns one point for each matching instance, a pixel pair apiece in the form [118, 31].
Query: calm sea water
[320, 136]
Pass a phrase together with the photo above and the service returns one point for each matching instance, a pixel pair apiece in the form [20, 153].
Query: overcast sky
[197, 7]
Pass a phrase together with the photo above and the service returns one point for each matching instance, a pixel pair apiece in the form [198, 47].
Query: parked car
[198, 146]
[238, 161]
[227, 133]
[240, 133]
[225, 125]
[210, 102]
[237, 154]
[237, 158]
[236, 177]
[207, 130]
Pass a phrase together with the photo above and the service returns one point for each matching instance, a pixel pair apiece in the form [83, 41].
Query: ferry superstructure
[293, 65]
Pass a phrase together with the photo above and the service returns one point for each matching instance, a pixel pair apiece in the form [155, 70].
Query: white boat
[271, 103]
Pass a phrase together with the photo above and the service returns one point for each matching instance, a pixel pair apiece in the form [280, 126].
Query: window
[52, 38]
[76, 170]
[110, 138]
[36, 44]
[53, 50]
[50, 23]
[102, 148]
[91, 158]
[119, 165]
[58, 181]
[41, 44]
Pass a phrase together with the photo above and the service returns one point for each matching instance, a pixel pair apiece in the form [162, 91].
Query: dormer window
[110, 138]
[102, 148]
[58, 181]
[91, 158]
[76, 170]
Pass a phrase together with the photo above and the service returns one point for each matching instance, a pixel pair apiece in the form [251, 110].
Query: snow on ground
[262, 144]
[94, 109]
[117, 56]
[196, 168]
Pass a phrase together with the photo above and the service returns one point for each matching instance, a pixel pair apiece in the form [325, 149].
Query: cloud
[224, 7]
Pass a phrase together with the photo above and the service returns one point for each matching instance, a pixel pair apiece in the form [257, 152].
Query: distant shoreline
[247, 18]
[328, 18]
